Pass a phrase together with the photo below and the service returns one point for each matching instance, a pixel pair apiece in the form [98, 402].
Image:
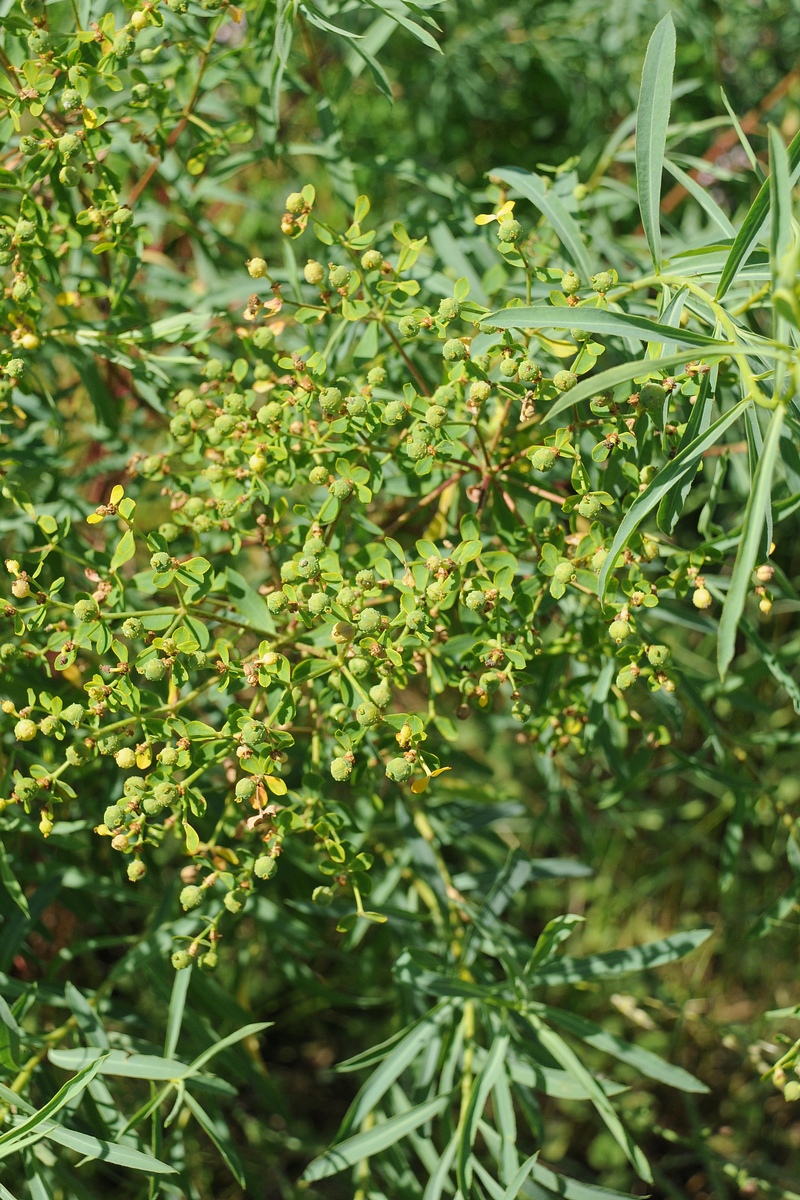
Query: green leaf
[607, 380]
[120, 1063]
[703, 198]
[11, 1139]
[552, 1082]
[652, 118]
[754, 518]
[554, 933]
[214, 1125]
[10, 1034]
[619, 962]
[392, 1067]
[772, 663]
[564, 1054]
[648, 1063]
[596, 320]
[572, 1189]
[240, 1034]
[780, 200]
[750, 228]
[177, 1004]
[533, 187]
[671, 506]
[481, 1087]
[398, 15]
[372, 1141]
[11, 884]
[680, 467]
[92, 1147]
[124, 551]
[513, 1189]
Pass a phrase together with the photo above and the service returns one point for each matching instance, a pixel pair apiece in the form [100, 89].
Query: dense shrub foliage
[377, 584]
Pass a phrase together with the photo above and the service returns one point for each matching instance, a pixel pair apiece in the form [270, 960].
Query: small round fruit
[618, 630]
[314, 272]
[657, 655]
[701, 598]
[86, 610]
[341, 769]
[509, 231]
[368, 714]
[565, 381]
[543, 457]
[399, 769]
[191, 896]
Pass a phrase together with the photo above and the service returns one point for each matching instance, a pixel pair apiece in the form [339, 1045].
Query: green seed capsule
[454, 350]
[191, 896]
[657, 655]
[399, 769]
[368, 714]
[341, 769]
[154, 669]
[509, 231]
[265, 866]
[564, 381]
[369, 621]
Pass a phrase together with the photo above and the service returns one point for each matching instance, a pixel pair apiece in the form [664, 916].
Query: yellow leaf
[420, 785]
[192, 839]
[485, 218]
[93, 519]
[117, 492]
[144, 756]
[560, 349]
[439, 771]
[275, 785]
[506, 210]
[89, 118]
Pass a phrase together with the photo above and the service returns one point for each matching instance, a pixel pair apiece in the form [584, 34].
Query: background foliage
[677, 817]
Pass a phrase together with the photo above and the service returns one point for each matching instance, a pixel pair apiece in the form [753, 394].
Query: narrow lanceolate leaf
[780, 200]
[644, 1060]
[372, 1141]
[619, 962]
[596, 320]
[568, 1059]
[481, 1087]
[552, 207]
[703, 198]
[390, 1070]
[751, 226]
[754, 517]
[652, 118]
[11, 883]
[92, 1147]
[671, 507]
[513, 1189]
[177, 1003]
[217, 1129]
[639, 369]
[772, 663]
[33, 1124]
[682, 466]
